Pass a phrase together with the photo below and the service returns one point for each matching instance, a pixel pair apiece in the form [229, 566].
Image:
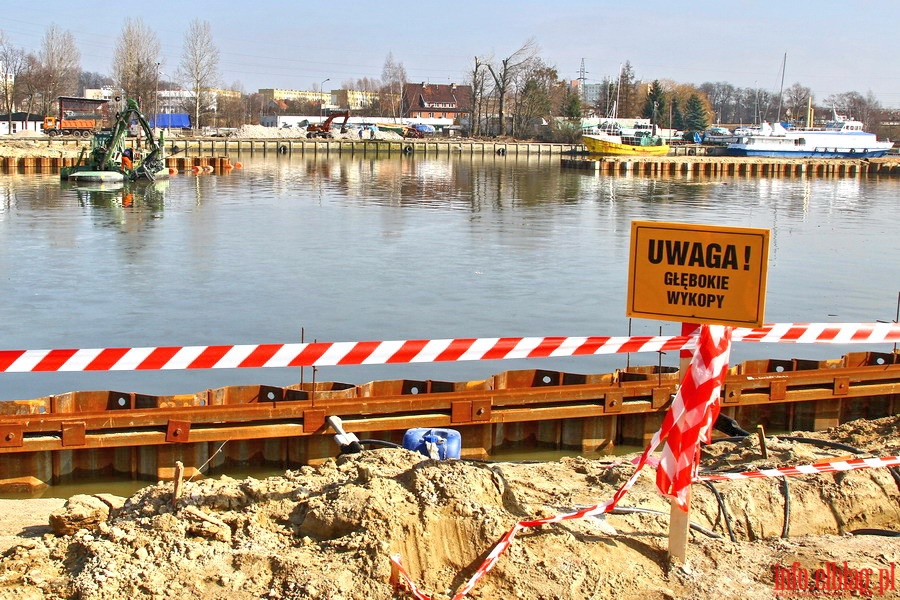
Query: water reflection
[400, 247]
[148, 197]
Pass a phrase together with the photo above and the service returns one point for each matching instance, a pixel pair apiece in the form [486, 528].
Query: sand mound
[328, 531]
[352, 133]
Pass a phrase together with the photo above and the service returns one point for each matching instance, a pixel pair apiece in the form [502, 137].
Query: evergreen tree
[654, 103]
[695, 118]
[571, 108]
[677, 116]
[627, 93]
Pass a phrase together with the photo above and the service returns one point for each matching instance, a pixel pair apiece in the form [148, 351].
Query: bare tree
[90, 79]
[722, 99]
[797, 99]
[478, 82]
[854, 105]
[12, 66]
[199, 67]
[505, 72]
[536, 91]
[136, 61]
[231, 107]
[393, 77]
[60, 64]
[30, 86]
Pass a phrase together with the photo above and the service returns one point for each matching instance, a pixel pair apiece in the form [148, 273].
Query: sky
[829, 46]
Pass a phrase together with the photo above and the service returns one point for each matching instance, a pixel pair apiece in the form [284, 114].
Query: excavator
[323, 130]
[109, 160]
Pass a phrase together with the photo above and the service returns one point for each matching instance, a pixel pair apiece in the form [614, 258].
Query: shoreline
[698, 158]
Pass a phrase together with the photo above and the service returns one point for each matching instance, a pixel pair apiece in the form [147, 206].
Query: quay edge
[53, 439]
[184, 152]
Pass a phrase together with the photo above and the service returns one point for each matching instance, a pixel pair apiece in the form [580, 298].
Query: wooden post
[680, 520]
[761, 432]
[679, 528]
[179, 481]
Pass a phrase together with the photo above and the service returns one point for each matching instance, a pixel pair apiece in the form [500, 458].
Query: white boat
[840, 138]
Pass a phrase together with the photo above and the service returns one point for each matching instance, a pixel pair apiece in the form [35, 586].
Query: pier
[221, 154]
[734, 167]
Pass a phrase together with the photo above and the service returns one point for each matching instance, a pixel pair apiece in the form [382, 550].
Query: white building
[21, 122]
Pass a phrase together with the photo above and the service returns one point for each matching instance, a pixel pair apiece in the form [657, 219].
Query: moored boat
[839, 138]
[609, 138]
[719, 136]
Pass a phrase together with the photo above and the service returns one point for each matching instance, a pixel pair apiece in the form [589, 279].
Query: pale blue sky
[831, 46]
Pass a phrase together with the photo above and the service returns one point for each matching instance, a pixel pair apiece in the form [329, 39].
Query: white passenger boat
[840, 138]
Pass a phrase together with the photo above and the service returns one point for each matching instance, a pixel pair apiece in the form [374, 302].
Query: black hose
[381, 443]
[626, 510]
[729, 426]
[785, 530]
[822, 443]
[884, 532]
[722, 509]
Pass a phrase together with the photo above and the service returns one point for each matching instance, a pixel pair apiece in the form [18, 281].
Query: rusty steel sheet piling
[144, 436]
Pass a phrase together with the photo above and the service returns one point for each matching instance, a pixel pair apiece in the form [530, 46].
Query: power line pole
[581, 79]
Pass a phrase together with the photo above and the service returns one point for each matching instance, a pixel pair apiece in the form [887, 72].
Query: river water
[392, 248]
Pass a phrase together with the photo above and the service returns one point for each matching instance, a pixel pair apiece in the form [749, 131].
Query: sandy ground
[328, 531]
[28, 144]
[24, 519]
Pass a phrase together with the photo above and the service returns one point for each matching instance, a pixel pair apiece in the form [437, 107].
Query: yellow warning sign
[698, 273]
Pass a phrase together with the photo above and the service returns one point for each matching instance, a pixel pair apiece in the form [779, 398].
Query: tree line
[517, 95]
[33, 81]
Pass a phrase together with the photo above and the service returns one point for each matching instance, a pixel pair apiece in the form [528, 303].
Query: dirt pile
[328, 531]
[352, 133]
[39, 145]
[29, 146]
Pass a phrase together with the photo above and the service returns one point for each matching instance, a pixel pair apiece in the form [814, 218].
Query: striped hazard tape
[826, 467]
[321, 354]
[400, 576]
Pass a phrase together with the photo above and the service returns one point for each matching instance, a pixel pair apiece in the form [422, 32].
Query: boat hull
[108, 176]
[740, 151]
[96, 176]
[599, 145]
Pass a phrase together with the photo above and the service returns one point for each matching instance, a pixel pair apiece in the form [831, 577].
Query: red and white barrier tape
[322, 354]
[590, 511]
[828, 467]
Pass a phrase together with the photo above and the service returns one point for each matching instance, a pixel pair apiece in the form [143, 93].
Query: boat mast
[615, 111]
[781, 93]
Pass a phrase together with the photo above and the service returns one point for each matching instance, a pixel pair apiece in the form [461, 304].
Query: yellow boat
[610, 139]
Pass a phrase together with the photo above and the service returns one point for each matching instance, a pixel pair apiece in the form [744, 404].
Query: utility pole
[322, 105]
[581, 80]
[156, 107]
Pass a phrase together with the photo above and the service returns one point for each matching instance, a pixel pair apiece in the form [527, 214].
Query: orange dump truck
[78, 116]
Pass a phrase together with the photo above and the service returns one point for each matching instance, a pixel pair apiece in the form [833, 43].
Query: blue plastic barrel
[433, 442]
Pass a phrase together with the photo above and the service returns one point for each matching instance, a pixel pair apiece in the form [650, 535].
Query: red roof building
[436, 101]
